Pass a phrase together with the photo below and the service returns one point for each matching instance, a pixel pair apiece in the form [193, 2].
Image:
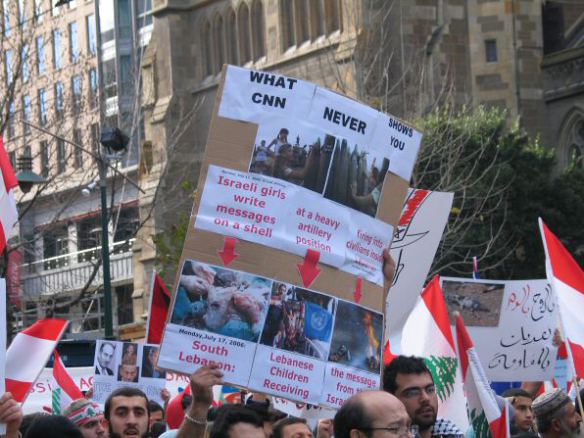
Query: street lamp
[115, 142]
[26, 177]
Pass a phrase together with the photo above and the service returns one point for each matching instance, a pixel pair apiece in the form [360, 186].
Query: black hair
[352, 415]
[402, 365]
[49, 426]
[103, 344]
[28, 419]
[278, 430]
[516, 392]
[229, 415]
[124, 391]
[154, 407]
[157, 429]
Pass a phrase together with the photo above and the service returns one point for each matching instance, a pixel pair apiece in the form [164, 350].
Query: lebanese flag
[8, 211]
[485, 415]
[28, 354]
[175, 414]
[427, 333]
[159, 304]
[567, 280]
[65, 391]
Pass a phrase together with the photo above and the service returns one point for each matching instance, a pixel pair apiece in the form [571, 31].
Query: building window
[89, 238]
[59, 100]
[207, 48]
[126, 75]
[76, 92]
[258, 27]
[144, 8]
[124, 304]
[40, 49]
[43, 118]
[39, 14]
[73, 43]
[333, 16]
[55, 10]
[316, 19]
[26, 113]
[124, 17]
[77, 152]
[95, 138]
[109, 78]
[12, 157]
[55, 244]
[300, 19]
[10, 127]
[244, 34]
[9, 63]
[231, 31]
[25, 64]
[491, 50]
[93, 88]
[219, 42]
[22, 14]
[91, 36]
[57, 50]
[127, 226]
[45, 167]
[6, 14]
[287, 24]
[61, 156]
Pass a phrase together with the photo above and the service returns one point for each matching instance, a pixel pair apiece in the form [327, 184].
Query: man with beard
[556, 415]
[410, 380]
[87, 416]
[126, 413]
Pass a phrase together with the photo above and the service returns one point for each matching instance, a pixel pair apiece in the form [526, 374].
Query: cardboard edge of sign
[226, 136]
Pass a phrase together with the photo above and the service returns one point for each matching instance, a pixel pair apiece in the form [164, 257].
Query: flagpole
[152, 279]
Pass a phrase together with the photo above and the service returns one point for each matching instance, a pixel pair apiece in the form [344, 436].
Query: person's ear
[354, 433]
[556, 425]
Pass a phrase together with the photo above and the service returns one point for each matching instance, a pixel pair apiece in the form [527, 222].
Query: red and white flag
[567, 280]
[159, 304]
[65, 390]
[427, 333]
[485, 415]
[8, 211]
[28, 354]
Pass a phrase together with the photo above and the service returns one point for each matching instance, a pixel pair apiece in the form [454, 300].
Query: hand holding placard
[10, 414]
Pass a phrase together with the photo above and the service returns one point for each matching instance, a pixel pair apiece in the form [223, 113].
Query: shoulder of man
[446, 429]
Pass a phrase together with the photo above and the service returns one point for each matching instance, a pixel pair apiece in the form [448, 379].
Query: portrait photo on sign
[128, 373]
[357, 337]
[130, 353]
[105, 358]
[149, 361]
[294, 152]
[478, 303]
[356, 177]
[299, 320]
[222, 301]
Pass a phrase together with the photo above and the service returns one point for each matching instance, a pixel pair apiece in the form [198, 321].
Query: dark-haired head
[229, 416]
[402, 365]
[49, 426]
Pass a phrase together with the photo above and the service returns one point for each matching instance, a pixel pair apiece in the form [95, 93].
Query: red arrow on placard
[228, 253]
[358, 294]
[308, 268]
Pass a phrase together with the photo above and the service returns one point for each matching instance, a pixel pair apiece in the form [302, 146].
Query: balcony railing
[70, 272]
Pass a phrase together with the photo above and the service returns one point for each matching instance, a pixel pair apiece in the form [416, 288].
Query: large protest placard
[118, 364]
[415, 242]
[512, 324]
[299, 193]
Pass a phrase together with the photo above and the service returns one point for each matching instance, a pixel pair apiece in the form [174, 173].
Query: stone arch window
[576, 145]
[332, 14]
[571, 144]
[287, 24]
[244, 32]
[301, 21]
[219, 40]
[316, 19]
[231, 32]
[258, 30]
[207, 38]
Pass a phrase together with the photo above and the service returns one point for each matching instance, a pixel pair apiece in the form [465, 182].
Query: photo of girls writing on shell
[299, 320]
[222, 301]
[357, 337]
[299, 157]
[356, 177]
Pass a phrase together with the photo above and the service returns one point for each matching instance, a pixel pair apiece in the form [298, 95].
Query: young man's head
[126, 413]
[410, 380]
[556, 415]
[156, 412]
[236, 421]
[87, 417]
[291, 427]
[521, 400]
[371, 414]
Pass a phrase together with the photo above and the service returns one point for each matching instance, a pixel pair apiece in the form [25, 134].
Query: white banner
[512, 324]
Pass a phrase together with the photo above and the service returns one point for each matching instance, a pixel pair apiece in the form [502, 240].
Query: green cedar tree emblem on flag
[480, 424]
[443, 371]
[56, 401]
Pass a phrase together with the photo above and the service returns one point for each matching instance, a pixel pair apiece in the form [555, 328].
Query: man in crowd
[556, 415]
[410, 380]
[126, 413]
[291, 427]
[87, 416]
[156, 412]
[521, 401]
[104, 359]
[372, 414]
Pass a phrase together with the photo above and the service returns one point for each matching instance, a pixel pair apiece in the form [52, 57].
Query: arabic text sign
[512, 324]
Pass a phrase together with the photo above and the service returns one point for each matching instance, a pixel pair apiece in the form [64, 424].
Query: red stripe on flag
[412, 205]
[387, 354]
[50, 329]
[2, 239]
[158, 310]
[499, 427]
[434, 299]
[578, 356]
[8, 174]
[464, 344]
[64, 380]
[564, 266]
[18, 389]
